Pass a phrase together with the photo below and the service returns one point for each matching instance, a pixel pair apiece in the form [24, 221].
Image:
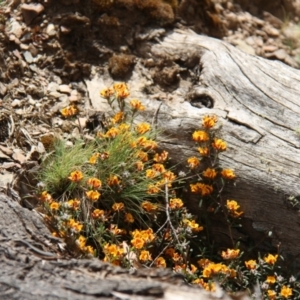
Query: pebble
[30, 11]
[50, 30]
[28, 57]
[64, 88]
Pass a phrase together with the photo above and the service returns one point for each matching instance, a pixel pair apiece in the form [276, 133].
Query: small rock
[33, 50]
[65, 30]
[271, 31]
[50, 30]
[16, 103]
[64, 88]
[24, 47]
[15, 28]
[269, 48]
[52, 87]
[30, 11]
[28, 57]
[54, 94]
[3, 89]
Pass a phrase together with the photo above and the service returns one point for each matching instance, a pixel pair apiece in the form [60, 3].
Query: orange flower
[118, 117]
[54, 205]
[136, 105]
[271, 279]
[124, 127]
[148, 206]
[76, 226]
[93, 195]
[160, 158]
[203, 262]
[169, 176]
[233, 207]
[69, 111]
[74, 203]
[97, 213]
[118, 206]
[45, 196]
[121, 90]
[142, 128]
[143, 156]
[90, 250]
[250, 264]
[159, 168]
[94, 158]
[271, 294]
[175, 203]
[219, 145]
[200, 136]
[129, 218]
[145, 256]
[115, 230]
[138, 243]
[139, 165]
[151, 173]
[209, 173]
[209, 121]
[193, 162]
[81, 242]
[286, 292]
[193, 225]
[106, 93]
[271, 259]
[113, 180]
[227, 174]
[94, 183]
[160, 262]
[204, 151]
[153, 189]
[170, 252]
[112, 132]
[76, 176]
[201, 188]
[113, 249]
[193, 268]
[230, 253]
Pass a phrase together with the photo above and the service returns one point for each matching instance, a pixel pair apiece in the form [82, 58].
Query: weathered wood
[257, 102]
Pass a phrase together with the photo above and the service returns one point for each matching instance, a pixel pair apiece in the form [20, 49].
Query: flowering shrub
[115, 199]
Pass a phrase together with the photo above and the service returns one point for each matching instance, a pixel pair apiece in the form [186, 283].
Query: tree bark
[257, 102]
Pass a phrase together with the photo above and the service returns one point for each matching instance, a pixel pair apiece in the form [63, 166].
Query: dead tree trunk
[258, 103]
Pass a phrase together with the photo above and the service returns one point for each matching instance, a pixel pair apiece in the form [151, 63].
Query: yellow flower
[106, 93]
[203, 262]
[93, 195]
[124, 127]
[201, 188]
[54, 205]
[138, 243]
[118, 206]
[209, 121]
[76, 176]
[145, 256]
[153, 189]
[139, 165]
[74, 203]
[90, 250]
[204, 151]
[250, 264]
[94, 183]
[113, 180]
[113, 249]
[160, 158]
[209, 173]
[97, 213]
[94, 158]
[143, 156]
[230, 253]
[175, 203]
[118, 117]
[81, 242]
[112, 132]
[121, 90]
[169, 176]
[148, 206]
[271, 279]
[193, 162]
[129, 218]
[159, 168]
[151, 173]
[233, 206]
[193, 225]
[115, 230]
[176, 257]
[227, 174]
[193, 268]
[160, 262]
[219, 145]
[286, 292]
[76, 226]
[142, 128]
[200, 136]
[170, 252]
[136, 105]
[69, 111]
[45, 196]
[271, 259]
[271, 294]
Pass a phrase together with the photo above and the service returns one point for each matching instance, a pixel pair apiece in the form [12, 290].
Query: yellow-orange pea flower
[271, 294]
[118, 206]
[45, 196]
[227, 174]
[118, 117]
[175, 203]
[170, 252]
[106, 93]
[204, 151]
[209, 121]
[76, 226]
[54, 205]
[129, 218]
[271, 279]
[139, 165]
[200, 136]
[143, 156]
[159, 168]
[142, 128]
[94, 158]
[97, 213]
[93, 195]
[160, 262]
[136, 105]
[286, 292]
[121, 90]
[148, 206]
[150, 173]
[219, 145]
[250, 264]
[113, 180]
[209, 173]
[112, 132]
[74, 204]
[232, 205]
[138, 243]
[193, 162]
[160, 158]
[145, 255]
[271, 259]
[230, 254]
[94, 183]
[76, 176]
[69, 111]
[153, 189]
[201, 188]
[81, 242]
